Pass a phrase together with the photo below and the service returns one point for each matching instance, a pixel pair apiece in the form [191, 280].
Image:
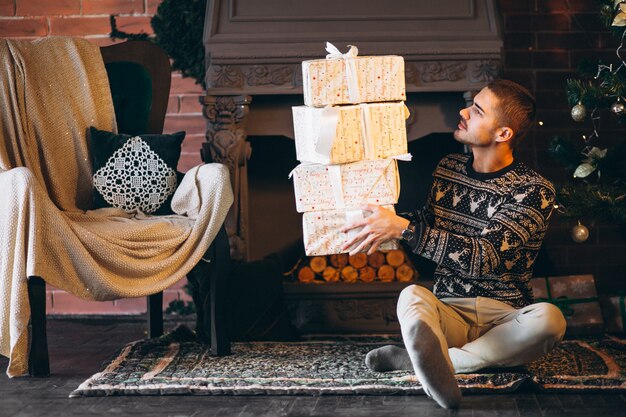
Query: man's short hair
[516, 108]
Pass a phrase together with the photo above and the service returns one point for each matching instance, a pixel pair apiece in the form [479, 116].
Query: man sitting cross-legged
[483, 225]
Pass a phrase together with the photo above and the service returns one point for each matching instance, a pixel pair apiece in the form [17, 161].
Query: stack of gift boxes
[349, 135]
[585, 312]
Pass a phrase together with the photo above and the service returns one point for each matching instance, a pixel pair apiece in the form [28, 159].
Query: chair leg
[38, 360]
[209, 280]
[155, 315]
[201, 298]
[220, 341]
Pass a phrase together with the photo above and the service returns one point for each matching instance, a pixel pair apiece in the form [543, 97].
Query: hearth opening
[275, 224]
[355, 295]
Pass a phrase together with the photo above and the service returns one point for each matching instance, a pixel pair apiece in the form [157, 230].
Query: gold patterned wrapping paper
[379, 78]
[337, 135]
[322, 231]
[329, 187]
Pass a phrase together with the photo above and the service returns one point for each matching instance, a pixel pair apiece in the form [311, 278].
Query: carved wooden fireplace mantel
[254, 51]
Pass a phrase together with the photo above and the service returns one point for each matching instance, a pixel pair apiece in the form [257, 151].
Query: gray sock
[430, 365]
[388, 358]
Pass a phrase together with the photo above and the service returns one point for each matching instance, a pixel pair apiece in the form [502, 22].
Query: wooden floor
[78, 347]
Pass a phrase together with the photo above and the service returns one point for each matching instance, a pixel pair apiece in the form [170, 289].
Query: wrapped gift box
[322, 231]
[577, 298]
[337, 135]
[330, 187]
[376, 78]
[614, 309]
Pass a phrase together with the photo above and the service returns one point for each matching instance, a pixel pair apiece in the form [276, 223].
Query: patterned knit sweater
[484, 230]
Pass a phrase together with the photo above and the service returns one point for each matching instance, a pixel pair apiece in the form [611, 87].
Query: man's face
[479, 124]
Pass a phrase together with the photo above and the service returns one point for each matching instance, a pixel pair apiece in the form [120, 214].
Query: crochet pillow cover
[135, 172]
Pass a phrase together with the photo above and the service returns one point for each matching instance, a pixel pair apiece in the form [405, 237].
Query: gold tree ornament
[579, 233]
[579, 112]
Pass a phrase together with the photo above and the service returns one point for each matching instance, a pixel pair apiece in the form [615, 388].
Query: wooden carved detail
[226, 143]
[377, 310]
[265, 75]
[298, 78]
[482, 71]
[438, 71]
[485, 71]
[354, 314]
[390, 314]
[416, 73]
[239, 76]
[411, 74]
[224, 76]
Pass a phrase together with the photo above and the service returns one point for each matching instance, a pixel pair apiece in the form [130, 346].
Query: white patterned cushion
[135, 177]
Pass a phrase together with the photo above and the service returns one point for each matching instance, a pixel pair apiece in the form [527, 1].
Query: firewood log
[339, 260]
[358, 260]
[367, 274]
[349, 274]
[306, 274]
[318, 263]
[386, 273]
[330, 274]
[376, 259]
[404, 273]
[395, 257]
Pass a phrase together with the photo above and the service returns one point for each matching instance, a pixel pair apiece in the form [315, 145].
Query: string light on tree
[593, 155]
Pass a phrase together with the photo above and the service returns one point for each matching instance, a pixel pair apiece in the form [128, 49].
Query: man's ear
[504, 134]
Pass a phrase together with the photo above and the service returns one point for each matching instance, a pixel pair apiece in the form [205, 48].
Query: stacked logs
[379, 266]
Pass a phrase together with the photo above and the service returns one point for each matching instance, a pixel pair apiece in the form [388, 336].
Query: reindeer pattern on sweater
[484, 231]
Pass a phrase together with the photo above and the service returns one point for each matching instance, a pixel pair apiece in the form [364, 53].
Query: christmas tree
[597, 189]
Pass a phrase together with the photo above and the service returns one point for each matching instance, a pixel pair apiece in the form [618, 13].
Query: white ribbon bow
[334, 53]
[351, 74]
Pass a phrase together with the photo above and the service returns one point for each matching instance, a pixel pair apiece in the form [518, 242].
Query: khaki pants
[480, 332]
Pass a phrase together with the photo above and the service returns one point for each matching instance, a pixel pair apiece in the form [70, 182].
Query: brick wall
[29, 19]
[545, 40]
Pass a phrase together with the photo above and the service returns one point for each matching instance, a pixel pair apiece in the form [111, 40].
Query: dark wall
[544, 42]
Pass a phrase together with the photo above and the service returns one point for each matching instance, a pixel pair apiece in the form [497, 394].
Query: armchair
[139, 76]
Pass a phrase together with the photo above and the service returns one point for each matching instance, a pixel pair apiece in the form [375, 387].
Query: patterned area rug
[174, 364]
[586, 364]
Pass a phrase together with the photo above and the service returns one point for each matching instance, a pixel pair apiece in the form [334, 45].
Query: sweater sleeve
[425, 214]
[524, 213]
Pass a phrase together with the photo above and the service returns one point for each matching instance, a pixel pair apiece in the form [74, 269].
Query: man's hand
[382, 225]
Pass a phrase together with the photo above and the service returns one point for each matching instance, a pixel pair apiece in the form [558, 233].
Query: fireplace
[254, 52]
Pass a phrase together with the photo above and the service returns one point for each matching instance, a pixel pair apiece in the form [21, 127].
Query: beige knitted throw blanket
[51, 91]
